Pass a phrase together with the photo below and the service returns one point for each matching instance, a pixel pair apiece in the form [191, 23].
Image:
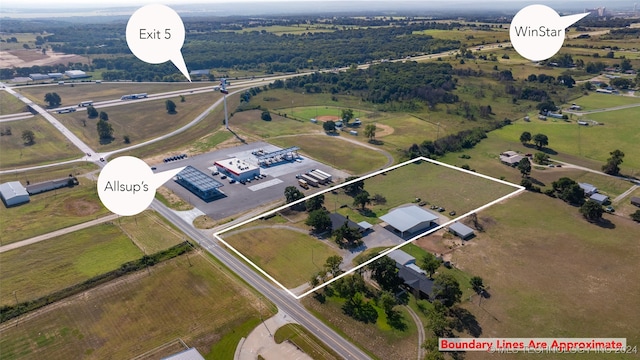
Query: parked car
[223, 177]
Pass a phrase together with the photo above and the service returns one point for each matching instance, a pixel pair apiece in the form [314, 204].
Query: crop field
[49, 144]
[54, 264]
[199, 304]
[549, 272]
[83, 91]
[141, 121]
[340, 154]
[591, 142]
[9, 104]
[51, 211]
[279, 250]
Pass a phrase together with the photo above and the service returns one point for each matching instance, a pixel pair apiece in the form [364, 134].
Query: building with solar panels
[237, 169]
[199, 183]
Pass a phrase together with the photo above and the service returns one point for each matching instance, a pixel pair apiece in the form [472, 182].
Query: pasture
[199, 304]
[280, 250]
[251, 123]
[340, 154]
[54, 264]
[49, 144]
[141, 121]
[150, 232]
[9, 104]
[595, 101]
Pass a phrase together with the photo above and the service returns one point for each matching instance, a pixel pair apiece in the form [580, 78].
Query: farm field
[141, 121]
[45, 267]
[51, 211]
[340, 154]
[49, 145]
[280, 250]
[9, 104]
[83, 91]
[553, 278]
[199, 304]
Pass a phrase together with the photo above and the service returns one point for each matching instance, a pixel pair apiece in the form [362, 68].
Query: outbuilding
[461, 230]
[635, 201]
[76, 74]
[410, 219]
[588, 189]
[13, 193]
[599, 198]
[401, 257]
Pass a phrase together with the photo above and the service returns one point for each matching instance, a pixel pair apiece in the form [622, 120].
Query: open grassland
[199, 304]
[338, 153]
[211, 141]
[83, 91]
[9, 104]
[141, 121]
[150, 232]
[624, 206]
[49, 173]
[552, 274]
[45, 267]
[251, 123]
[439, 185]
[591, 142]
[469, 36]
[602, 101]
[279, 250]
[51, 211]
[49, 146]
[379, 339]
[304, 340]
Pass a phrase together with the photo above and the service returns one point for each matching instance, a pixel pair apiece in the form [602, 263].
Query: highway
[279, 297]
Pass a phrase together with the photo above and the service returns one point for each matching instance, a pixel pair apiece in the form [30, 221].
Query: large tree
[446, 289]
[92, 113]
[525, 137]
[347, 237]
[170, 106]
[541, 140]
[332, 265]
[387, 301]
[266, 115]
[355, 188]
[347, 115]
[591, 210]
[105, 130]
[28, 137]
[319, 220]
[430, 264]
[385, 273]
[612, 167]
[53, 99]
[329, 126]
[525, 167]
[314, 203]
[291, 194]
[477, 284]
[541, 158]
[636, 216]
[104, 116]
[362, 199]
[370, 131]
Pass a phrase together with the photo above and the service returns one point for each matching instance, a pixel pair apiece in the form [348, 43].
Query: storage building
[13, 193]
[410, 219]
[461, 230]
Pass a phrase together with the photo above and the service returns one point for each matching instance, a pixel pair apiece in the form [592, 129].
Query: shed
[588, 188]
[38, 76]
[13, 193]
[410, 219]
[461, 230]
[401, 257]
[76, 74]
[189, 354]
[365, 225]
[599, 198]
[635, 201]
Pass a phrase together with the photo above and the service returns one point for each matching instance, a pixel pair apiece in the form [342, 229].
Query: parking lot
[238, 197]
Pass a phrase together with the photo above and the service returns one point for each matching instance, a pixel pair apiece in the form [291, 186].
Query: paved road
[279, 297]
[53, 234]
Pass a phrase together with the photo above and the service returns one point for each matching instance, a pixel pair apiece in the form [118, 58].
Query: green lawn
[150, 232]
[337, 153]
[198, 303]
[45, 267]
[602, 101]
[278, 251]
[250, 122]
[9, 104]
[51, 211]
[50, 145]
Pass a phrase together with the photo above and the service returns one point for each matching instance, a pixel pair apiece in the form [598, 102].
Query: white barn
[410, 219]
[13, 193]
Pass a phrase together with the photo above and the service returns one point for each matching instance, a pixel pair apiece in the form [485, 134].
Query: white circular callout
[155, 34]
[127, 186]
[537, 31]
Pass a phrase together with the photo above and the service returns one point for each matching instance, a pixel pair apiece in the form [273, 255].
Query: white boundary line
[518, 190]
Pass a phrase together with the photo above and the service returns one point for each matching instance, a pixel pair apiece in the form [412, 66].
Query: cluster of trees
[540, 140]
[53, 99]
[612, 167]
[568, 190]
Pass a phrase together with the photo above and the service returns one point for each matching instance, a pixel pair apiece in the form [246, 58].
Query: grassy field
[199, 304]
[251, 123]
[279, 250]
[602, 101]
[50, 145]
[140, 120]
[51, 211]
[338, 153]
[304, 340]
[42, 268]
[49, 173]
[210, 141]
[592, 142]
[377, 339]
[150, 232]
[468, 36]
[550, 273]
[9, 104]
[73, 95]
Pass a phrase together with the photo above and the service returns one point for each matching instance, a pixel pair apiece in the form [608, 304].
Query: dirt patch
[383, 130]
[79, 207]
[175, 202]
[28, 58]
[324, 118]
[204, 222]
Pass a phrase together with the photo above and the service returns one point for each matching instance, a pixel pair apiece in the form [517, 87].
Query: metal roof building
[337, 220]
[13, 193]
[401, 257]
[199, 183]
[461, 230]
[599, 198]
[237, 169]
[189, 354]
[588, 188]
[410, 219]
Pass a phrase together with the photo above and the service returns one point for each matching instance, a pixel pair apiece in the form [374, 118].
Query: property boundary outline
[518, 190]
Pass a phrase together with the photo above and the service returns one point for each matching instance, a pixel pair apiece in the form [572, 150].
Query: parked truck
[311, 181]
